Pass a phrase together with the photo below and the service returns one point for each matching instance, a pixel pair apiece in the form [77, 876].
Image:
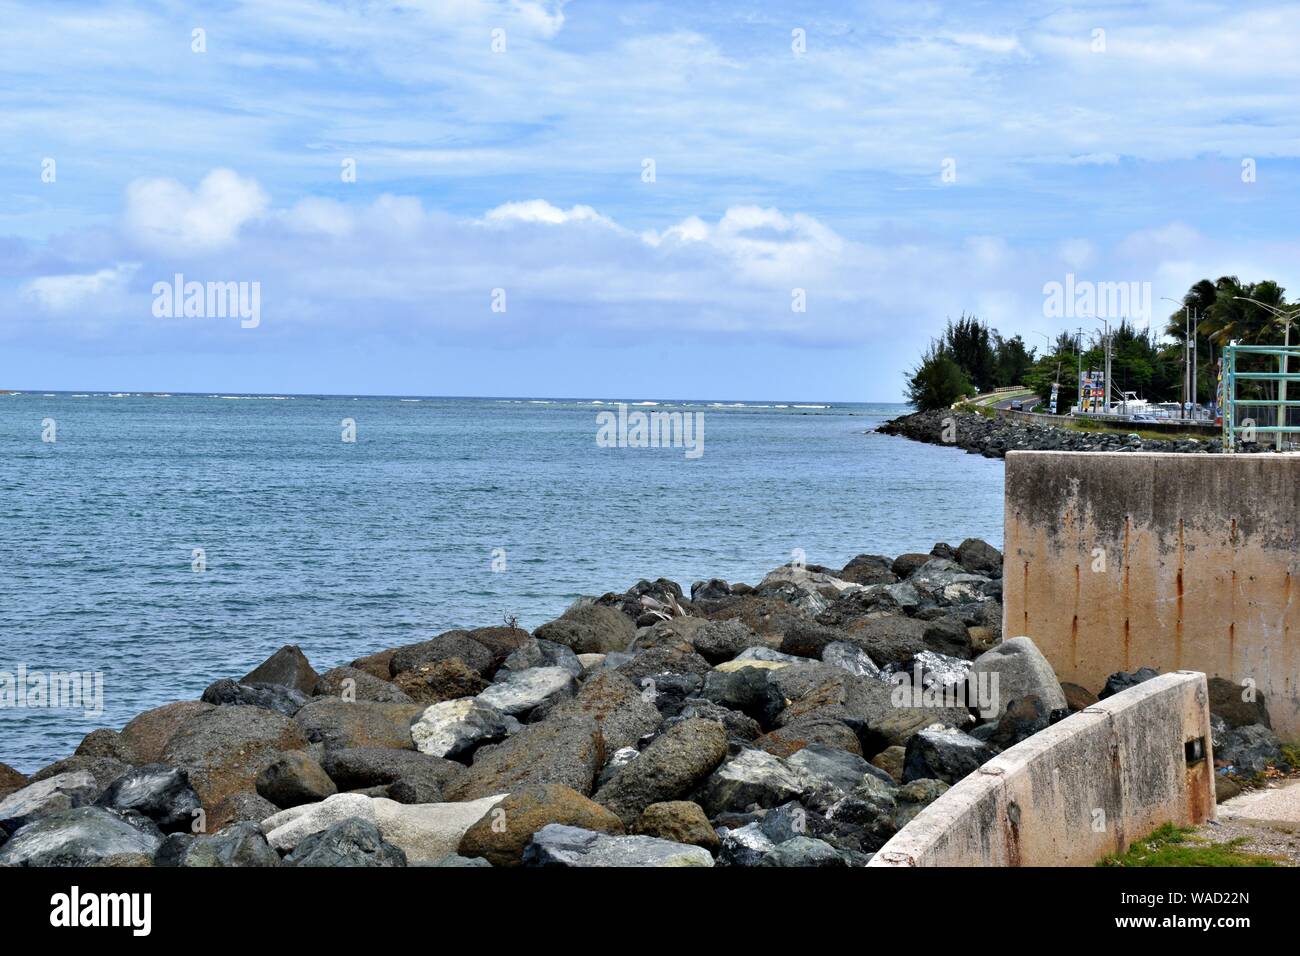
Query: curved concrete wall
[1115, 561]
[1080, 789]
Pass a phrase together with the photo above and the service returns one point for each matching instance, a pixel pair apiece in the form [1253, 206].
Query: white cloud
[163, 215]
[539, 210]
[62, 293]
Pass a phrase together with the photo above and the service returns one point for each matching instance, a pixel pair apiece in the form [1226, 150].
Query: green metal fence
[1246, 419]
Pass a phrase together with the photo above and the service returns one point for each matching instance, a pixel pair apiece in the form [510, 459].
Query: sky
[739, 200]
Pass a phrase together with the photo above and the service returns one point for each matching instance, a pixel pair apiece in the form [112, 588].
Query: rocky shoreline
[801, 721]
[994, 437]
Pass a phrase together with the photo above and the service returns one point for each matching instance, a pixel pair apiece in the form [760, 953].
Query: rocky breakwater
[994, 437]
[797, 722]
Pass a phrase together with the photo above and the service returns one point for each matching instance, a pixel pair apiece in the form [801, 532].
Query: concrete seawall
[1119, 561]
[1078, 790]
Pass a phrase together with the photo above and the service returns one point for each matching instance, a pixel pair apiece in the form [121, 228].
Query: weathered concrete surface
[1280, 805]
[1119, 561]
[1080, 789]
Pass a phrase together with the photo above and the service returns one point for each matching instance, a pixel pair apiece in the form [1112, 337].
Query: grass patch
[986, 410]
[1177, 846]
[1145, 434]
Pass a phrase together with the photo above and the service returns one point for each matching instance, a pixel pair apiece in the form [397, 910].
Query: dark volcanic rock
[353, 683]
[567, 751]
[447, 679]
[81, 836]
[243, 844]
[147, 735]
[500, 838]
[287, 667]
[338, 724]
[360, 768]
[1121, 681]
[10, 780]
[350, 842]
[1250, 749]
[980, 557]
[748, 690]
[869, 569]
[668, 769]
[451, 644]
[1237, 704]
[161, 793]
[283, 700]
[718, 641]
[946, 755]
[589, 629]
[620, 710]
[294, 778]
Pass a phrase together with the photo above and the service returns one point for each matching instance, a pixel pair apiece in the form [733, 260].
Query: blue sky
[908, 163]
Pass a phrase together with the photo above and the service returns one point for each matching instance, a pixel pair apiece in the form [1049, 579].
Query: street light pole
[1286, 317]
[1187, 375]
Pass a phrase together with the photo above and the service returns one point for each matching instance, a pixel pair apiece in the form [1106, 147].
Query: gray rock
[753, 777]
[1020, 670]
[851, 658]
[524, 690]
[287, 667]
[1121, 681]
[739, 726]
[946, 755]
[337, 724]
[749, 690]
[980, 557]
[620, 710]
[360, 768]
[621, 758]
[538, 653]
[352, 683]
[804, 851]
[455, 860]
[161, 793]
[450, 644]
[239, 845]
[567, 751]
[283, 700]
[456, 728]
[718, 641]
[764, 653]
[353, 842]
[913, 797]
[559, 845]
[744, 846]
[590, 629]
[294, 778]
[46, 797]
[668, 769]
[81, 836]
[1250, 749]
[826, 766]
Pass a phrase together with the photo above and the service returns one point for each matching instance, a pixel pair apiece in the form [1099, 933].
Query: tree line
[970, 357]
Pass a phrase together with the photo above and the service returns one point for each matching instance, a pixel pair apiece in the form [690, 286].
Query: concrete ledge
[1078, 790]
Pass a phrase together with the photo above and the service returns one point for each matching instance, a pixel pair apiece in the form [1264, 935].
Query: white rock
[286, 829]
[524, 690]
[453, 726]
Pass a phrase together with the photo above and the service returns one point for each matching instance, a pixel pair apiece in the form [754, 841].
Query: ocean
[166, 541]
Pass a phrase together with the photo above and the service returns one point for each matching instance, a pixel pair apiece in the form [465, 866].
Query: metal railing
[1245, 418]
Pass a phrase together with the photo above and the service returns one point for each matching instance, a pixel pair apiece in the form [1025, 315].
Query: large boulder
[424, 832]
[1020, 670]
[456, 728]
[82, 836]
[400, 771]
[869, 569]
[501, 641]
[225, 748]
[240, 845]
[161, 793]
[678, 820]
[294, 778]
[566, 751]
[821, 765]
[559, 845]
[104, 769]
[813, 730]
[538, 653]
[1239, 705]
[980, 557]
[353, 683]
[621, 711]
[753, 777]
[10, 780]
[283, 700]
[451, 644]
[1249, 749]
[887, 639]
[287, 667]
[245, 806]
[337, 724]
[501, 835]
[351, 842]
[590, 629]
[718, 641]
[946, 755]
[523, 691]
[447, 679]
[749, 690]
[668, 769]
[148, 733]
[46, 797]
[104, 743]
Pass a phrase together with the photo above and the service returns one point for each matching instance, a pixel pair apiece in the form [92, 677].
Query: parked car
[1017, 406]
